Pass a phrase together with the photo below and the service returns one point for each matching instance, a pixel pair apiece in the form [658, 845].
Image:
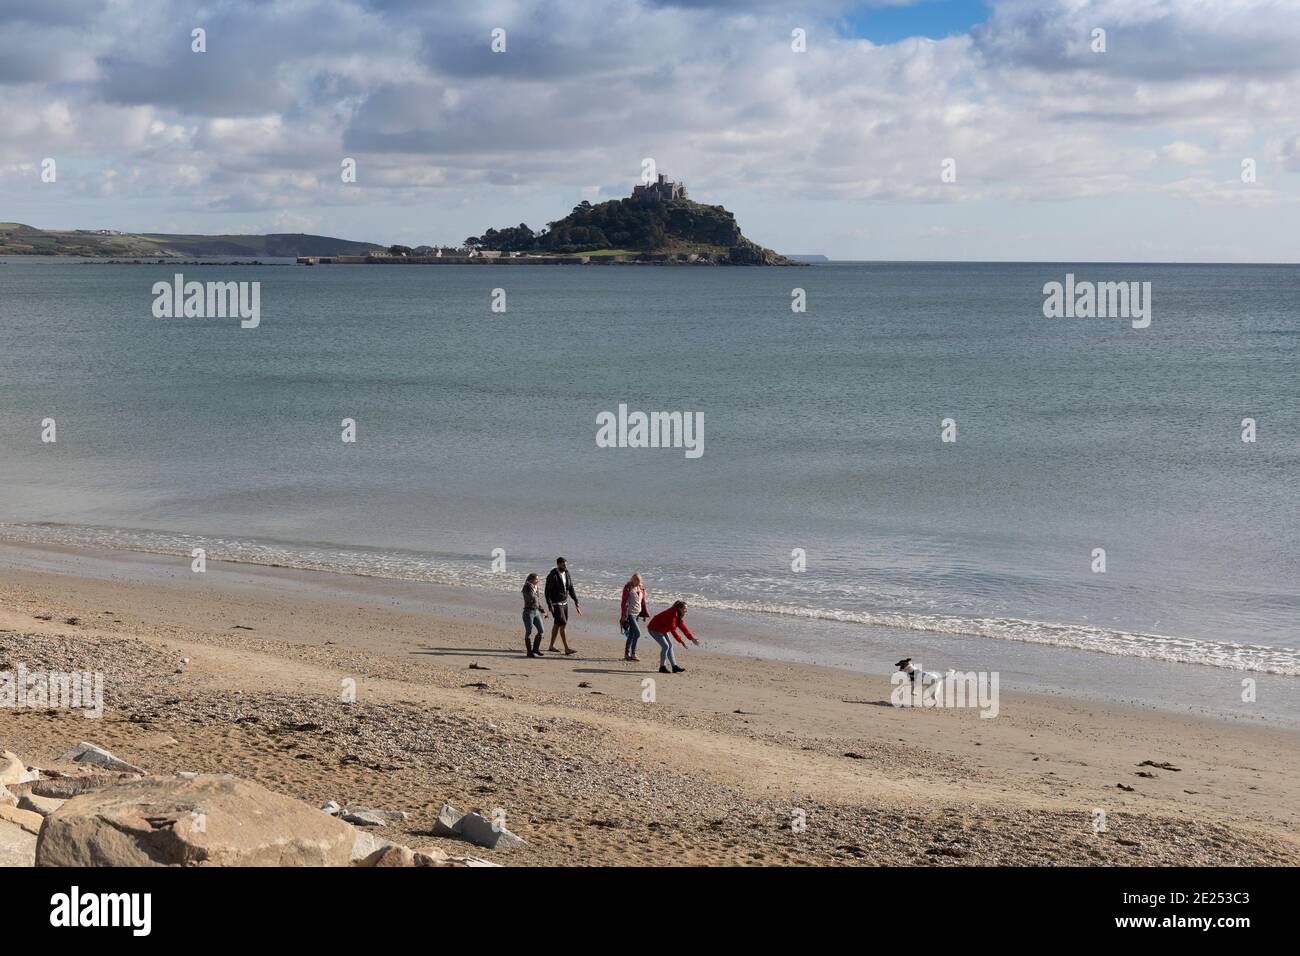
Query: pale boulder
[17, 846]
[476, 828]
[369, 816]
[63, 787]
[479, 829]
[42, 805]
[12, 770]
[368, 848]
[432, 856]
[85, 753]
[448, 822]
[396, 856]
[361, 818]
[205, 821]
[26, 819]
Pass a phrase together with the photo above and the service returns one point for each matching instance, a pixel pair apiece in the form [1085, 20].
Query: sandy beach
[736, 762]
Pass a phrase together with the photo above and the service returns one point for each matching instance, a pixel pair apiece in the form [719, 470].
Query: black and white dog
[928, 679]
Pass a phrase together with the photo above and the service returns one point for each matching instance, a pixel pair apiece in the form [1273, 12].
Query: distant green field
[17, 239]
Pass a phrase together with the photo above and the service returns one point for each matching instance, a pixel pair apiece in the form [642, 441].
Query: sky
[1177, 140]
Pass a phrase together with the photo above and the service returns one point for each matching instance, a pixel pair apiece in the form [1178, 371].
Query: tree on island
[620, 224]
[674, 226]
[510, 239]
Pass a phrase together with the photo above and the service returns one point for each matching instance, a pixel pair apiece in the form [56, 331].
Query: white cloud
[1204, 189]
[712, 91]
[1187, 154]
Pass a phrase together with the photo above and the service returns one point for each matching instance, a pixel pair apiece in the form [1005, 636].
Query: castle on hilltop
[660, 191]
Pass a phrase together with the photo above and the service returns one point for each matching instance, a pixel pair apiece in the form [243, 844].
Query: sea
[894, 459]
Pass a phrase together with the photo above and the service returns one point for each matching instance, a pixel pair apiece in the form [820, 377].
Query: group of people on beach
[633, 608]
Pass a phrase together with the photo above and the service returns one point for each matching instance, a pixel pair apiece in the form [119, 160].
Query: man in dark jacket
[559, 588]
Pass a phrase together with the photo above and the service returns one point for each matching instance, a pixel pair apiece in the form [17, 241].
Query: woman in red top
[665, 623]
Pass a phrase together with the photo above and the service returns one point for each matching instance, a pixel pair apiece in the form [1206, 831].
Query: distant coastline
[658, 224]
[17, 239]
[524, 259]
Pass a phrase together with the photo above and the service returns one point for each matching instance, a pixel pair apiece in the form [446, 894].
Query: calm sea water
[476, 431]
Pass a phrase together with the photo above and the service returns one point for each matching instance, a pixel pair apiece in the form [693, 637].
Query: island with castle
[659, 224]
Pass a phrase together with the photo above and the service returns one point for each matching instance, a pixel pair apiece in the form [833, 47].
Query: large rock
[479, 829]
[85, 753]
[448, 822]
[27, 819]
[17, 846]
[432, 856]
[371, 850]
[13, 770]
[65, 787]
[396, 856]
[42, 805]
[204, 821]
[363, 818]
[368, 848]
[475, 828]
[7, 799]
[370, 817]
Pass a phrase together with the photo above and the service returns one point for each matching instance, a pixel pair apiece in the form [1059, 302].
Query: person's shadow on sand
[468, 651]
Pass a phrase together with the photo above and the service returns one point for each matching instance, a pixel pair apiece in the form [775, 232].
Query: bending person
[666, 623]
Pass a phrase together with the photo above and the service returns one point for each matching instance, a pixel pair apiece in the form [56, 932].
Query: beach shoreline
[712, 771]
[1082, 663]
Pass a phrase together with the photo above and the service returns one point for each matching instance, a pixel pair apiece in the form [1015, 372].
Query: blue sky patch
[935, 19]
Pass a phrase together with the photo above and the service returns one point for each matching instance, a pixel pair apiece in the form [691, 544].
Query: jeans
[665, 647]
[532, 618]
[633, 634]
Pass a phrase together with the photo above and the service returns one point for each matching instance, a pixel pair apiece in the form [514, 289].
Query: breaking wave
[472, 572]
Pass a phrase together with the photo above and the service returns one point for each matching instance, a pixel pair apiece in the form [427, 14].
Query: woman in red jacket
[665, 623]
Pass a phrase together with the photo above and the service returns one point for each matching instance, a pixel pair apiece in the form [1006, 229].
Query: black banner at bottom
[146, 906]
